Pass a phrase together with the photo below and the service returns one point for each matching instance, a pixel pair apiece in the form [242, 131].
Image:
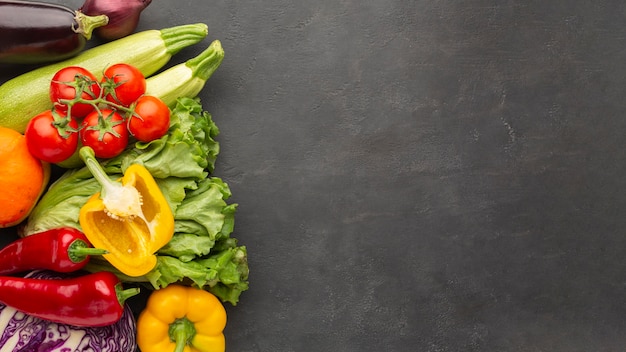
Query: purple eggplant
[34, 32]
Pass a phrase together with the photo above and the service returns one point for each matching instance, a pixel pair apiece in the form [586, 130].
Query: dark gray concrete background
[421, 175]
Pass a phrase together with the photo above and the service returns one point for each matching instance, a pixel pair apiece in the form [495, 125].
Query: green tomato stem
[82, 84]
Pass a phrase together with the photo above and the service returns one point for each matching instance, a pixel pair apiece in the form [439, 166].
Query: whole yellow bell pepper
[130, 219]
[182, 319]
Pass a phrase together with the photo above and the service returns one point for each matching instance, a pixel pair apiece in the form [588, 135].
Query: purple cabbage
[24, 333]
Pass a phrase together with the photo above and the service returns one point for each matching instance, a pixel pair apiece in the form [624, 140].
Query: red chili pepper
[90, 300]
[63, 250]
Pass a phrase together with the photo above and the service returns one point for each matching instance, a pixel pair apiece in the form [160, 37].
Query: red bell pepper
[88, 300]
[63, 250]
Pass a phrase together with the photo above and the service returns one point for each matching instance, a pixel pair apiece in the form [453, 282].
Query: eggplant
[33, 32]
[24, 333]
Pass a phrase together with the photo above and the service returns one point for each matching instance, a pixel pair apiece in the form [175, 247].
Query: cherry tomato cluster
[103, 114]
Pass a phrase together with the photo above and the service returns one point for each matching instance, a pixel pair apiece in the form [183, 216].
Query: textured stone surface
[421, 175]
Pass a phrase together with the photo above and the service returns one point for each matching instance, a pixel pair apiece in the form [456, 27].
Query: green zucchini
[186, 79]
[27, 95]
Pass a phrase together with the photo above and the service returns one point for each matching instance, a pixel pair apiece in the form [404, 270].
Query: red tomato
[47, 140]
[151, 120]
[123, 84]
[68, 83]
[106, 134]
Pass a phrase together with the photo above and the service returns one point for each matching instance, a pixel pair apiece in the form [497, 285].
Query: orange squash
[23, 178]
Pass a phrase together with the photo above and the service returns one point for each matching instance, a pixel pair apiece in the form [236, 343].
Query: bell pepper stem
[79, 250]
[182, 332]
[89, 157]
[121, 201]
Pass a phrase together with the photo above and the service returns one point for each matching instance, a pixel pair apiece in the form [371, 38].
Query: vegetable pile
[137, 206]
[201, 249]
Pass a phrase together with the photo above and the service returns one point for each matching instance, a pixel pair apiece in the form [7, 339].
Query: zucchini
[27, 95]
[186, 79]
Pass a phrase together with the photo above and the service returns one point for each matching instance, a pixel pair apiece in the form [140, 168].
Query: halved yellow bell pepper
[180, 318]
[130, 219]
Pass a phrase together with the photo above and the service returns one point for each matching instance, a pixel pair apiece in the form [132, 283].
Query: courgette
[27, 95]
[186, 79]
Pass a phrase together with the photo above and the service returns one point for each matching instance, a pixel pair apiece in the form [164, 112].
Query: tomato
[151, 119]
[48, 139]
[123, 84]
[107, 134]
[67, 83]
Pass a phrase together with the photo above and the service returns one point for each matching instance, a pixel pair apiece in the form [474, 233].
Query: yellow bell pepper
[182, 319]
[130, 219]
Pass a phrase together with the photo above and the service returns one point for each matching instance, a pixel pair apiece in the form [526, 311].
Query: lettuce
[202, 251]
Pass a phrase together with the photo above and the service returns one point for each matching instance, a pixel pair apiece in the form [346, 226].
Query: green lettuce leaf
[210, 198]
[225, 274]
